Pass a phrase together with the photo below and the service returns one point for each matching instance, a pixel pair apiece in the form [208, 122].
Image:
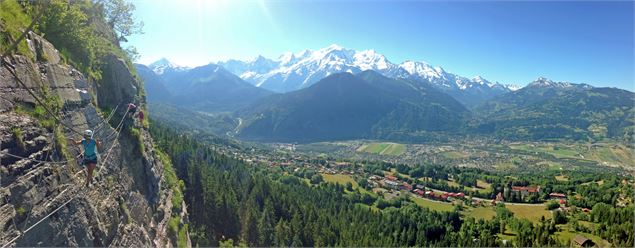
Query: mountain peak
[479, 79]
[161, 62]
[545, 82]
[334, 47]
[160, 66]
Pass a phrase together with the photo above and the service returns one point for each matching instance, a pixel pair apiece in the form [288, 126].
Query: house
[419, 186]
[391, 184]
[429, 193]
[406, 186]
[525, 191]
[391, 177]
[557, 195]
[581, 241]
[419, 192]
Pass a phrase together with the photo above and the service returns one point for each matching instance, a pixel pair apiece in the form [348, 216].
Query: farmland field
[434, 205]
[529, 212]
[486, 213]
[339, 178]
[343, 179]
[566, 235]
[383, 148]
[454, 154]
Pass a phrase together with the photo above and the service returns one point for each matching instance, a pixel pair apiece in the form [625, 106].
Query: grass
[136, 132]
[562, 178]
[394, 172]
[126, 211]
[508, 234]
[566, 235]
[532, 213]
[453, 154]
[339, 178]
[486, 213]
[614, 154]
[505, 166]
[452, 183]
[14, 21]
[343, 179]
[482, 186]
[384, 148]
[434, 205]
[171, 180]
[558, 151]
[20, 210]
[19, 137]
[181, 239]
[173, 225]
[61, 144]
[600, 152]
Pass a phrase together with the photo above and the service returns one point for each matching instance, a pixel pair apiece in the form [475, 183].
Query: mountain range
[347, 106]
[336, 93]
[293, 71]
[208, 88]
[545, 109]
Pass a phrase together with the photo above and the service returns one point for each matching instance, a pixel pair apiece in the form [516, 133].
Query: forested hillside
[558, 110]
[235, 203]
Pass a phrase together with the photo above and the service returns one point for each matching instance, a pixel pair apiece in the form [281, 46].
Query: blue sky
[510, 42]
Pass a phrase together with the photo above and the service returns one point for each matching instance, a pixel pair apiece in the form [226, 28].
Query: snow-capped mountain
[163, 65]
[544, 82]
[292, 71]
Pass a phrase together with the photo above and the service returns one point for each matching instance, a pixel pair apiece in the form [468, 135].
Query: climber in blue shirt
[90, 154]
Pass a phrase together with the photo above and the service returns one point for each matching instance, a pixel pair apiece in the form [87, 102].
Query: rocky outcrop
[42, 198]
[117, 85]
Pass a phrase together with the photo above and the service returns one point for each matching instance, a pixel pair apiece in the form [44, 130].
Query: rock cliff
[42, 198]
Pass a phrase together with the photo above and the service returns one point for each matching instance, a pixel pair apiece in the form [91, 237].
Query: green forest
[232, 203]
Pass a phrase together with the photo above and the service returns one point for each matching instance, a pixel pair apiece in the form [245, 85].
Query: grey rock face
[126, 206]
[117, 85]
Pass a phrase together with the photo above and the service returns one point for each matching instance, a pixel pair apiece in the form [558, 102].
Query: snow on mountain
[513, 87]
[545, 82]
[292, 71]
[163, 65]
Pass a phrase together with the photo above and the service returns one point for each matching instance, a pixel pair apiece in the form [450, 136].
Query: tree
[559, 217]
[349, 186]
[132, 53]
[317, 178]
[119, 16]
[551, 205]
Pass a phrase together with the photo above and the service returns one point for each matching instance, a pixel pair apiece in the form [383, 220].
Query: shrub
[14, 20]
[182, 237]
[126, 211]
[551, 205]
[171, 180]
[19, 137]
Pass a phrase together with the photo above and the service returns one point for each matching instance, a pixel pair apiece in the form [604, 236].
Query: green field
[343, 179]
[529, 212]
[486, 213]
[339, 178]
[434, 205]
[454, 154]
[566, 235]
[384, 148]
[601, 152]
